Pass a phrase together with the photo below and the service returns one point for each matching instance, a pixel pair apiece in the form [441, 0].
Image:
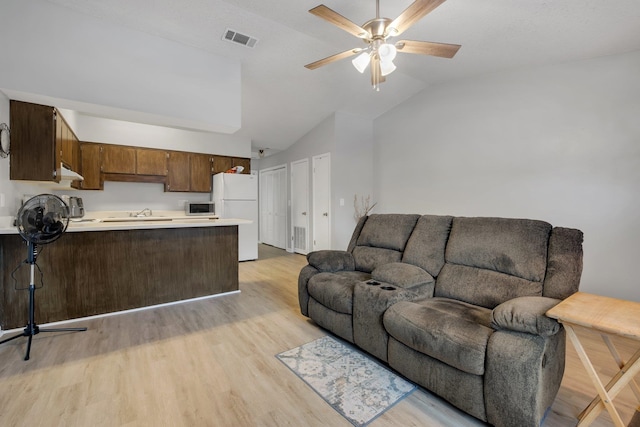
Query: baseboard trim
[116, 313]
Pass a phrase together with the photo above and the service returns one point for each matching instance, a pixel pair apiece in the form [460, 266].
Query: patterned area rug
[355, 385]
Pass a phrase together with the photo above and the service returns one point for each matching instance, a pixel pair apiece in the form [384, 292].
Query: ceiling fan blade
[411, 15]
[442, 50]
[338, 20]
[333, 58]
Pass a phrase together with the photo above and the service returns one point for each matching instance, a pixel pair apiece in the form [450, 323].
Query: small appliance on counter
[76, 207]
[199, 208]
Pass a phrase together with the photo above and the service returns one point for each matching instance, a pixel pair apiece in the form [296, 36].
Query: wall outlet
[181, 203]
[1, 200]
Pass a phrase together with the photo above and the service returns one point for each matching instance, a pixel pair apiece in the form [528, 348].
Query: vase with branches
[362, 206]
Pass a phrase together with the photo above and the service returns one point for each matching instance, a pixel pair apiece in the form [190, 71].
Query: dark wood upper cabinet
[90, 163]
[245, 163]
[178, 178]
[41, 140]
[69, 144]
[221, 164]
[151, 162]
[35, 148]
[200, 173]
[118, 159]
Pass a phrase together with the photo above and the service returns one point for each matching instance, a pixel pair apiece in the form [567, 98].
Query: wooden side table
[608, 316]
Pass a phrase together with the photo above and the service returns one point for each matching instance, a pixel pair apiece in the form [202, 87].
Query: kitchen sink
[136, 219]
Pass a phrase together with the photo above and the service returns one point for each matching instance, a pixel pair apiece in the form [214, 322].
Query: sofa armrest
[331, 261]
[402, 275]
[526, 314]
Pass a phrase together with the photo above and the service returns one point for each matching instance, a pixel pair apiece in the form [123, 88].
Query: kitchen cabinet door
[221, 164]
[178, 178]
[244, 162]
[151, 162]
[70, 146]
[200, 177]
[118, 159]
[35, 150]
[90, 163]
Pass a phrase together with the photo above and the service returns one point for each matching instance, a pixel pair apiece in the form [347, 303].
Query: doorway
[273, 206]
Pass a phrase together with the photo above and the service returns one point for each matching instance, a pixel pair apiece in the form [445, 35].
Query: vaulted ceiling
[282, 100]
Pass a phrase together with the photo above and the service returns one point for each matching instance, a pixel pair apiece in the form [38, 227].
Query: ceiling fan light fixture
[387, 52]
[375, 32]
[386, 68]
[362, 61]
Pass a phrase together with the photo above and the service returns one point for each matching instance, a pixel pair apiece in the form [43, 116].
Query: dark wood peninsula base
[95, 272]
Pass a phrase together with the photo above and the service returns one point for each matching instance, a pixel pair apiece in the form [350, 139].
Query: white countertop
[115, 220]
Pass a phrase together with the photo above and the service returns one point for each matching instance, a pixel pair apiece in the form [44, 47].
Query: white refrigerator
[236, 196]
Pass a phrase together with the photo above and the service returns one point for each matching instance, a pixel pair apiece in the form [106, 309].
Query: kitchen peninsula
[104, 265]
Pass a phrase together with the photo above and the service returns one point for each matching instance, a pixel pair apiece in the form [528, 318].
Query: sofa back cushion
[492, 260]
[382, 240]
[426, 245]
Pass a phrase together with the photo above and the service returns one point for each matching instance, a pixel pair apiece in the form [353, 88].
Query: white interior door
[300, 206]
[273, 207]
[322, 202]
[266, 222]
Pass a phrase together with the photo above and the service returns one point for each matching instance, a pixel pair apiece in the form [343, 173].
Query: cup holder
[373, 283]
[388, 288]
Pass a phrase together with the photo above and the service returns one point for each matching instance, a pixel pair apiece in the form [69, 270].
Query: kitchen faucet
[143, 212]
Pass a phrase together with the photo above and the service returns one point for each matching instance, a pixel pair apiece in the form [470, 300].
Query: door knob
[325, 214]
[304, 213]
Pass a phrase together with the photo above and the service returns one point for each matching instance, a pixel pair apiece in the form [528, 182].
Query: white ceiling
[282, 100]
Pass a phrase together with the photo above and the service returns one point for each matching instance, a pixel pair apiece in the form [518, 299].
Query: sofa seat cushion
[451, 331]
[335, 290]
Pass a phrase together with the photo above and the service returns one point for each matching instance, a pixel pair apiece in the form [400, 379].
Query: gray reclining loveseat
[454, 304]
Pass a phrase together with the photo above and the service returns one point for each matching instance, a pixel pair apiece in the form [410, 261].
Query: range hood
[67, 176]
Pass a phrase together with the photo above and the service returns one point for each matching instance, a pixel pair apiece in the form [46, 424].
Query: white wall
[88, 64]
[558, 143]
[351, 173]
[95, 129]
[349, 139]
[6, 191]
[56, 56]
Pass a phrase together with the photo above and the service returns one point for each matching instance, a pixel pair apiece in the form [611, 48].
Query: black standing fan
[42, 219]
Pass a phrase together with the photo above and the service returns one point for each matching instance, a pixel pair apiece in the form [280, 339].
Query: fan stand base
[32, 329]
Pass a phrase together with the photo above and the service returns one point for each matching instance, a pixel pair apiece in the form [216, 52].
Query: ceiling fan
[376, 32]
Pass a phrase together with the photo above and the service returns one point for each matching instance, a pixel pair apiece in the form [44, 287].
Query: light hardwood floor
[212, 363]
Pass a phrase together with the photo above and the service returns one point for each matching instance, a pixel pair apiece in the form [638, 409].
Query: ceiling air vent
[236, 37]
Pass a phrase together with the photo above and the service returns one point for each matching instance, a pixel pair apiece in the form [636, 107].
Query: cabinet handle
[325, 214]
